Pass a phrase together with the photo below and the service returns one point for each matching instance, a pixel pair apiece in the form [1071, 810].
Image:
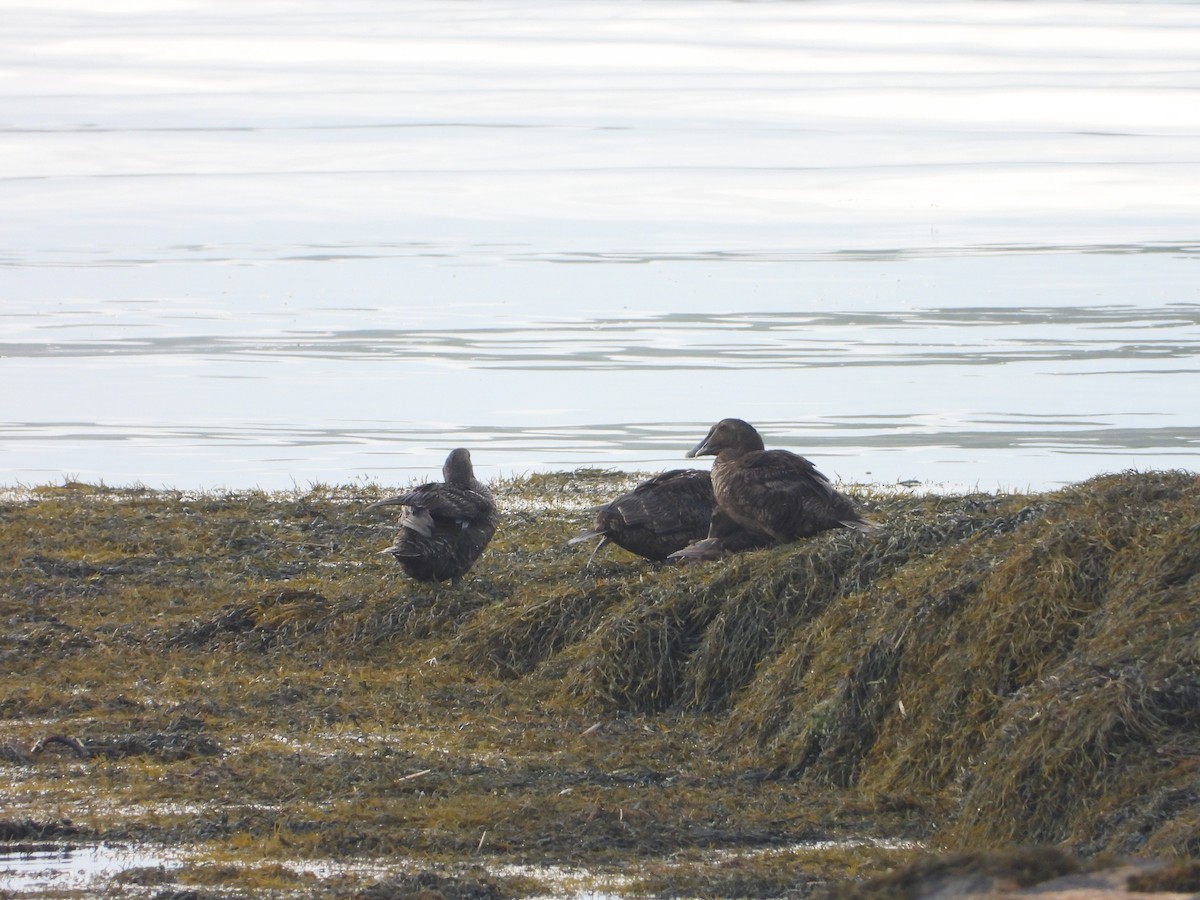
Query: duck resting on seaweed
[776, 492]
[659, 516]
[444, 526]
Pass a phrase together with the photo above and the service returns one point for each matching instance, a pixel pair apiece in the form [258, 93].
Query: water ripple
[972, 336]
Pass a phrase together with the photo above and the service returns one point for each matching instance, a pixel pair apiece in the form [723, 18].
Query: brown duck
[659, 516]
[443, 527]
[773, 491]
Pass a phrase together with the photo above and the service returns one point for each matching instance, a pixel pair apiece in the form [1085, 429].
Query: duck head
[728, 434]
[458, 469]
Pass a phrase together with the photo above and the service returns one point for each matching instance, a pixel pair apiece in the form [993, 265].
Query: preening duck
[443, 526]
[659, 516]
[773, 491]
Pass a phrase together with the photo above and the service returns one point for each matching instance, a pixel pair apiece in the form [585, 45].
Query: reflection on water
[749, 340]
[950, 244]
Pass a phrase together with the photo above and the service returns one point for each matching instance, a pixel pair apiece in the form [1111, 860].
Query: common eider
[773, 491]
[659, 516]
[443, 526]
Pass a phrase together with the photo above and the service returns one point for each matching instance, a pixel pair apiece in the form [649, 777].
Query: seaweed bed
[242, 681]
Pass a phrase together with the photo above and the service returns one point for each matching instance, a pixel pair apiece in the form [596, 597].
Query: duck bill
[701, 449]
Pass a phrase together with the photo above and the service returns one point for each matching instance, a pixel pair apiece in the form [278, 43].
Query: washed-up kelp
[1048, 675]
[977, 671]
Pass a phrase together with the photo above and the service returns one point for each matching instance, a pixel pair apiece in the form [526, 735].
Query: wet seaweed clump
[1179, 878]
[31, 830]
[241, 677]
[431, 884]
[974, 874]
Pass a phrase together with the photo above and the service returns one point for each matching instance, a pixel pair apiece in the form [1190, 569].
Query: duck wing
[678, 500]
[783, 494]
[430, 505]
[781, 471]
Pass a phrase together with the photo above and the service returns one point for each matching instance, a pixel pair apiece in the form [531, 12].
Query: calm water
[273, 244]
[57, 871]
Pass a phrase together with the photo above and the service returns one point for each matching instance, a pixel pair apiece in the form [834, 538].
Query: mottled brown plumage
[659, 516]
[773, 491]
[443, 527]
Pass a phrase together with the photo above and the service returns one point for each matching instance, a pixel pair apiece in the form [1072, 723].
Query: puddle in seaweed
[33, 868]
[39, 868]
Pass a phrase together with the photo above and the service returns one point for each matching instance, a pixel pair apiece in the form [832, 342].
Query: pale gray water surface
[277, 244]
[66, 870]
